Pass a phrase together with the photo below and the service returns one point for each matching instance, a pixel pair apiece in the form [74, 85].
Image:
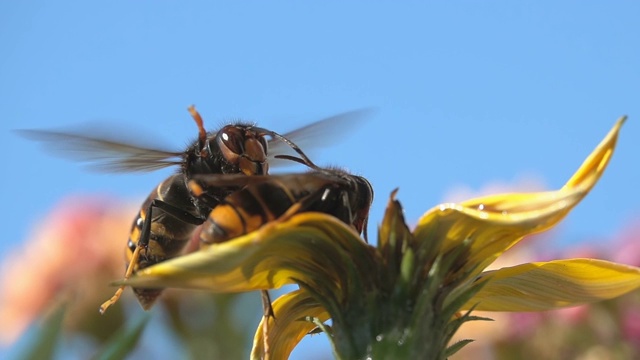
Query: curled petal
[393, 237]
[495, 223]
[291, 324]
[311, 247]
[554, 284]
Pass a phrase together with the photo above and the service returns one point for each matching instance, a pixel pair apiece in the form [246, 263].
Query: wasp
[263, 199]
[172, 212]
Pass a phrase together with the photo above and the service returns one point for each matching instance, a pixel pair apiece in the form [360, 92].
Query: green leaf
[124, 341]
[457, 346]
[48, 336]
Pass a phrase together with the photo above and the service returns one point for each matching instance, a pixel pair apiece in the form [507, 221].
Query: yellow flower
[402, 298]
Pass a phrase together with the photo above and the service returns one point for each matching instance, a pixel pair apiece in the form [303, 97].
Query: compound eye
[230, 140]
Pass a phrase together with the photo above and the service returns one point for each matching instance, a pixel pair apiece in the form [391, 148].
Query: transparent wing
[103, 154]
[106, 154]
[316, 135]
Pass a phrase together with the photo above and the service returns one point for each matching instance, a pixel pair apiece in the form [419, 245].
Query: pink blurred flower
[627, 249]
[572, 315]
[75, 252]
[523, 325]
[631, 325]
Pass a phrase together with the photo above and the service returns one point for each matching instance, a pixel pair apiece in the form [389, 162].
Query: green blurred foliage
[202, 325]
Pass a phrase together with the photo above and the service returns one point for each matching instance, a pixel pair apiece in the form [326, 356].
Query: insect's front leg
[145, 236]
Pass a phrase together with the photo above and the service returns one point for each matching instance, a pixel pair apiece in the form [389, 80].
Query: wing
[104, 154]
[317, 134]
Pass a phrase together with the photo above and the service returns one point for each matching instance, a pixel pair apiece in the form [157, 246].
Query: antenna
[202, 133]
[305, 160]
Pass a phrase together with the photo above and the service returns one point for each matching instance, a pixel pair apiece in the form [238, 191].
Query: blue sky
[466, 93]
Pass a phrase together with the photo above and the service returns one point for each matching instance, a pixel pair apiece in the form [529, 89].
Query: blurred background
[470, 99]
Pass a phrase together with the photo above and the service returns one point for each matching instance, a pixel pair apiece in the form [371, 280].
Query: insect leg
[323, 200]
[143, 241]
[267, 314]
[307, 203]
[174, 211]
[105, 305]
[344, 212]
[266, 304]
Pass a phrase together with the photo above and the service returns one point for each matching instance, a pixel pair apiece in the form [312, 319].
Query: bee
[263, 199]
[172, 212]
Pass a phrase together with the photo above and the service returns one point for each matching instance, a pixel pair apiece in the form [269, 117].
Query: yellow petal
[554, 284]
[311, 247]
[495, 223]
[290, 324]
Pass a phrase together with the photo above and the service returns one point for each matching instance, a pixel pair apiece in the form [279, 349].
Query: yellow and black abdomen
[247, 210]
[168, 234]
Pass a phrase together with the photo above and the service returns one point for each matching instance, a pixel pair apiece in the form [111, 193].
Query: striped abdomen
[247, 210]
[168, 235]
